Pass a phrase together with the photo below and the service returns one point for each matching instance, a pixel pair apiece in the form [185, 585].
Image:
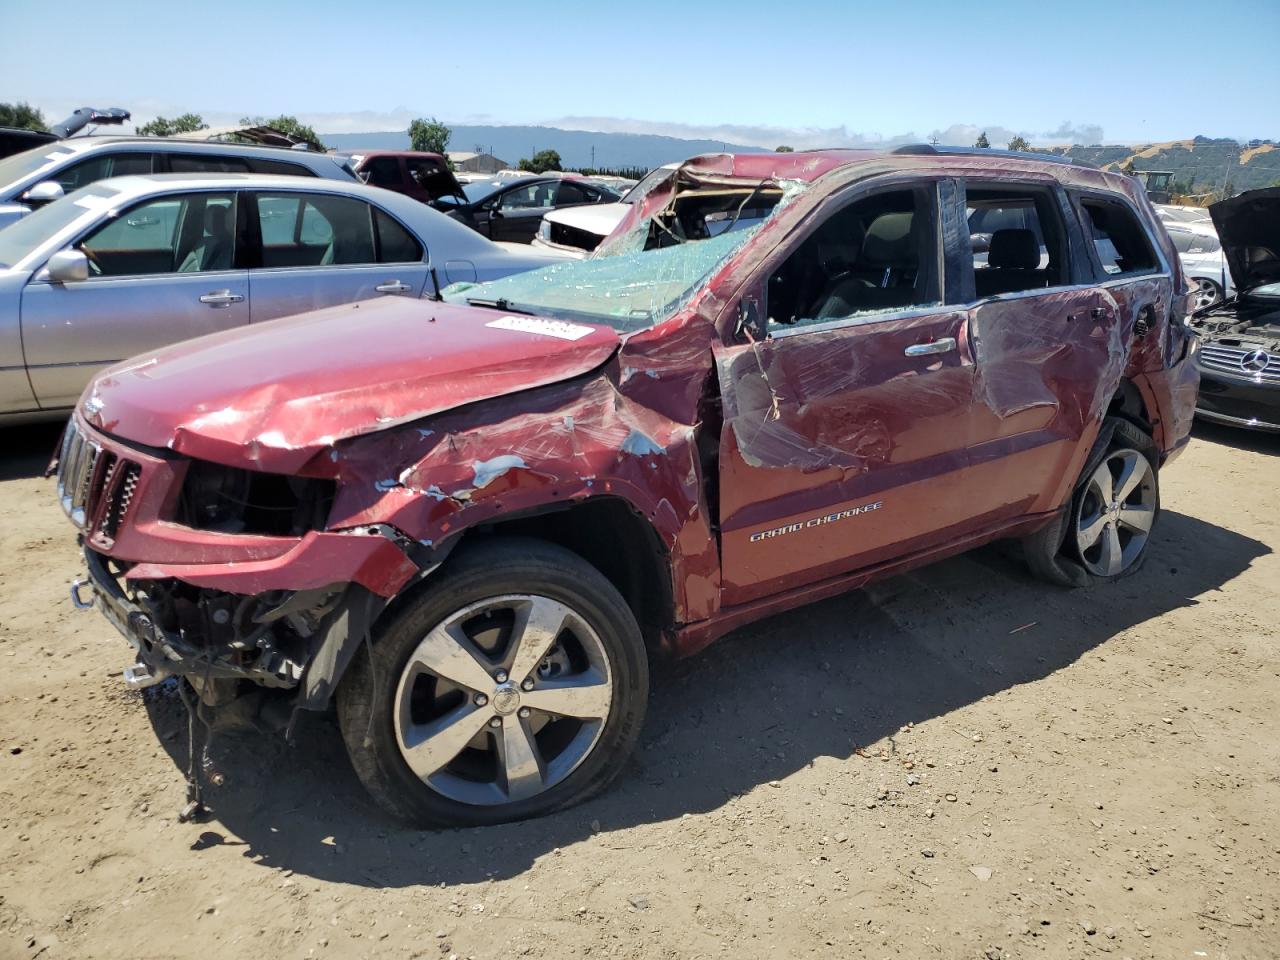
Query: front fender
[560, 445]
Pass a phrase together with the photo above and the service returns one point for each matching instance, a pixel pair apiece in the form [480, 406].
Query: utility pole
[593, 156]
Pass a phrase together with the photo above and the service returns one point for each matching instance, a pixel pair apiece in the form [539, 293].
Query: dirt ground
[961, 762]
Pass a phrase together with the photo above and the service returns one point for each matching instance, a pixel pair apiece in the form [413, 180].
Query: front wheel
[1103, 532]
[513, 685]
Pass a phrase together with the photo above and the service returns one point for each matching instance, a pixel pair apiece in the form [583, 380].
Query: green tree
[287, 124]
[982, 140]
[21, 115]
[430, 135]
[164, 127]
[784, 149]
[542, 161]
[1020, 145]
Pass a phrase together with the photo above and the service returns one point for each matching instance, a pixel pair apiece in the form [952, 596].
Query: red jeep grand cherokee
[472, 522]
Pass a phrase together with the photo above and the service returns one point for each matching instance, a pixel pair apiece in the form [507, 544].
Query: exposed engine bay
[1247, 325]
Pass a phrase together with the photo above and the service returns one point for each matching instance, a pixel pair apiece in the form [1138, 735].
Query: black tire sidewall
[366, 696]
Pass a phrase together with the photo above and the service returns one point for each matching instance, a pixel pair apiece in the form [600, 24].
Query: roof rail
[929, 149]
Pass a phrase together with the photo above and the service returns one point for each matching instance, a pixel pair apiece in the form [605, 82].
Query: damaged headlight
[231, 500]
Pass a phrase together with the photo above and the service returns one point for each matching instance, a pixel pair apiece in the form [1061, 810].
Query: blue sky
[797, 72]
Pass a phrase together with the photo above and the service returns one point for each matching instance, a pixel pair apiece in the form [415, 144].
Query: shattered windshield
[628, 291]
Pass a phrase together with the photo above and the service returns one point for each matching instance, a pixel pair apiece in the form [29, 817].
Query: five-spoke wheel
[503, 699]
[1114, 515]
[511, 684]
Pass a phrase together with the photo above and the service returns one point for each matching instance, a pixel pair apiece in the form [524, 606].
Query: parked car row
[130, 264]
[472, 523]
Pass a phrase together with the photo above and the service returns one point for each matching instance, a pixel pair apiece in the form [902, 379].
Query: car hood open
[270, 397]
[1249, 227]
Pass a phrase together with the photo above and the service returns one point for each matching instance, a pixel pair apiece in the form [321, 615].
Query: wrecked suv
[473, 522]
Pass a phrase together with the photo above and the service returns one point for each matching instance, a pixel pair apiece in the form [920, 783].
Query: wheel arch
[606, 531]
[1130, 403]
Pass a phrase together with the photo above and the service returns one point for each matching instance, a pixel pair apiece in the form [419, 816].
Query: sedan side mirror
[44, 192]
[68, 266]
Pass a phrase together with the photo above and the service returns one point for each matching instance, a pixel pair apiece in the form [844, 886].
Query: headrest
[889, 240]
[217, 219]
[1014, 249]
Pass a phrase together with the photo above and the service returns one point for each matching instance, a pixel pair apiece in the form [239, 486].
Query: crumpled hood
[271, 396]
[1249, 227]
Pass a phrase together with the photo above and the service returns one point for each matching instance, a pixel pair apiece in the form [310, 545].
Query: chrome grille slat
[95, 486]
[1228, 360]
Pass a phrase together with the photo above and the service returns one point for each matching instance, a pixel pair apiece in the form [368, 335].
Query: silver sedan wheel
[1113, 520]
[1207, 293]
[503, 699]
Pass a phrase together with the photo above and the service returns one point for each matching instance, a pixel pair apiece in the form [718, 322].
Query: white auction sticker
[548, 328]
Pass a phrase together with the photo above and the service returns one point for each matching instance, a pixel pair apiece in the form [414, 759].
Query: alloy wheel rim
[1206, 294]
[503, 699]
[1115, 513]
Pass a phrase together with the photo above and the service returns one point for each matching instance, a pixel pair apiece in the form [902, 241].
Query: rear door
[1049, 346]
[319, 250]
[162, 270]
[844, 432]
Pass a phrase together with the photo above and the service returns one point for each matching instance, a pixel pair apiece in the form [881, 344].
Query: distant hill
[1200, 165]
[612, 150]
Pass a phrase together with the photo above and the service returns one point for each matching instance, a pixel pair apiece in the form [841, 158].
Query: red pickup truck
[474, 521]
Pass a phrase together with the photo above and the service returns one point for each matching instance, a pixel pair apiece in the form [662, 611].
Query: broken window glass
[628, 291]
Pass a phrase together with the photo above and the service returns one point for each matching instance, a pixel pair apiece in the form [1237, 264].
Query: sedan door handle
[944, 345]
[393, 286]
[221, 298]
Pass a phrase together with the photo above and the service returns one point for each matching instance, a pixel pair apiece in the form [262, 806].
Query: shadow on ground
[28, 449]
[1255, 441]
[756, 707]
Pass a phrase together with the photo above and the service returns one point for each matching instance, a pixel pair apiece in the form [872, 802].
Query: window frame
[253, 228]
[1077, 196]
[1071, 238]
[118, 214]
[109, 155]
[928, 185]
[167, 157]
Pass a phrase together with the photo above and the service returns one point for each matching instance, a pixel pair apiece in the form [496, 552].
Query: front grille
[95, 486]
[1233, 360]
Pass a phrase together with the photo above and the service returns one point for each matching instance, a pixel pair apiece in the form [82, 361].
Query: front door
[160, 271]
[844, 432]
[519, 211]
[320, 250]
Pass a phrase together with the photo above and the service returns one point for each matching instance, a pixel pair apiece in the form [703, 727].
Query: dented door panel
[1046, 365]
[838, 449]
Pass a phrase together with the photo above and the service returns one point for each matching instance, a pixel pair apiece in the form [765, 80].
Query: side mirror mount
[68, 266]
[46, 191]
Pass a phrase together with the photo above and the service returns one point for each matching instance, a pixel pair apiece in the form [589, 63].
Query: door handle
[393, 286]
[944, 345]
[1100, 313]
[221, 298]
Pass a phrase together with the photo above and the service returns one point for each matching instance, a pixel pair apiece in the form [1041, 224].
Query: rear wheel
[513, 686]
[1104, 531]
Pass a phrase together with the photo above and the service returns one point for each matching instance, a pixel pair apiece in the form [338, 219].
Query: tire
[1066, 552]
[420, 690]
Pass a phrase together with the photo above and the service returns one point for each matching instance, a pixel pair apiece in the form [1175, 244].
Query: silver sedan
[130, 264]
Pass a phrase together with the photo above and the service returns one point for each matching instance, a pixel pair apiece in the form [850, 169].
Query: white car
[576, 231]
[1202, 261]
